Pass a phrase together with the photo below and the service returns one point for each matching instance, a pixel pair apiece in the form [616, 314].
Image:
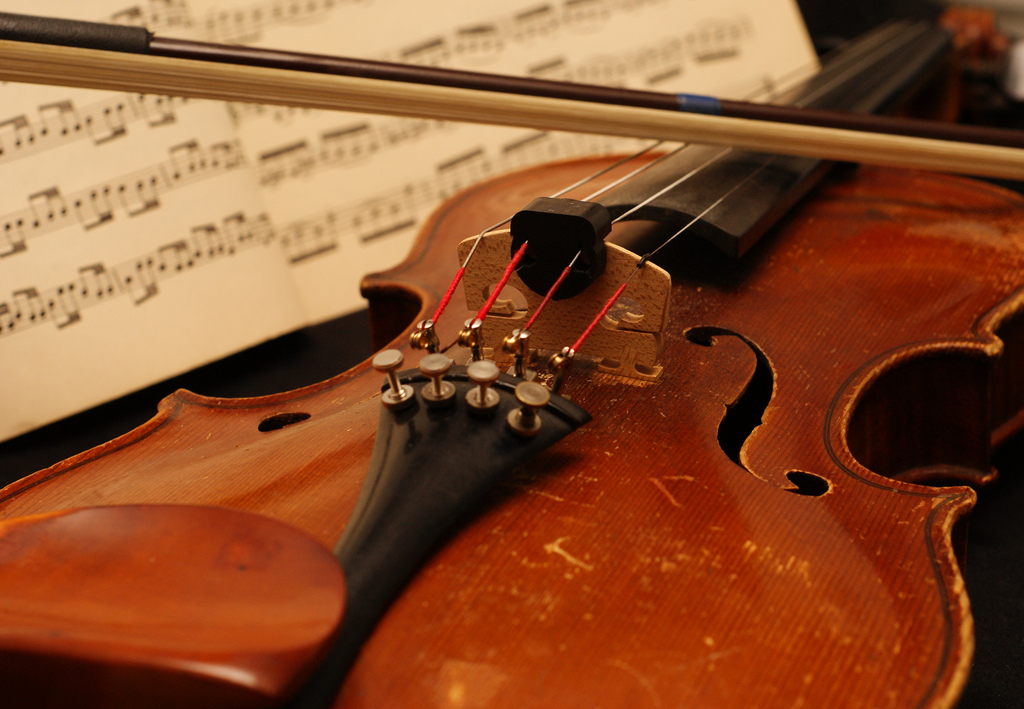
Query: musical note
[239, 26]
[176, 256]
[585, 12]
[14, 236]
[283, 115]
[136, 193]
[137, 278]
[522, 144]
[26, 308]
[713, 41]
[58, 119]
[460, 172]
[139, 197]
[94, 208]
[158, 110]
[665, 75]
[155, 15]
[397, 210]
[344, 145]
[478, 43]
[308, 238]
[64, 307]
[62, 122]
[291, 161]
[433, 52]
[95, 282]
[535, 23]
[207, 240]
[394, 133]
[556, 69]
[111, 124]
[46, 206]
[241, 231]
[15, 133]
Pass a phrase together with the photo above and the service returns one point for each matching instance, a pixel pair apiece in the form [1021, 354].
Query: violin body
[750, 529]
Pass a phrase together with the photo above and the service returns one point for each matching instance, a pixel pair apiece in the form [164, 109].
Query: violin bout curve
[161, 606]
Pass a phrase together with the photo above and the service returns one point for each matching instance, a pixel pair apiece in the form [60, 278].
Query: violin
[769, 514]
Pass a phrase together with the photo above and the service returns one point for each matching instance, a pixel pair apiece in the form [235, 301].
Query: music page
[144, 235]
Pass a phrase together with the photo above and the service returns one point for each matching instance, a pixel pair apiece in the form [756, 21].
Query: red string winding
[449, 293]
[501, 284]
[604, 311]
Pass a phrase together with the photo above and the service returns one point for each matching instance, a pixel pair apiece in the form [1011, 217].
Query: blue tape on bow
[694, 103]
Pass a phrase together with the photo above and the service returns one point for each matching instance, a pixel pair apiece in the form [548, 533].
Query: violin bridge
[628, 341]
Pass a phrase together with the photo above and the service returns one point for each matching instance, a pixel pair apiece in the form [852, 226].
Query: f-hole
[279, 421]
[745, 415]
[808, 484]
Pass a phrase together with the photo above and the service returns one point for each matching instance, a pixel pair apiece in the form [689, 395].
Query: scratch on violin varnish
[555, 547]
[530, 490]
[640, 678]
[530, 564]
[798, 567]
[661, 486]
[468, 684]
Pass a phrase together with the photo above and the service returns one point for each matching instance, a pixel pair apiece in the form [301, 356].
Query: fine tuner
[439, 392]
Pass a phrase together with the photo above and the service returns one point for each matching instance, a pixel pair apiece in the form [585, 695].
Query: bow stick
[119, 58]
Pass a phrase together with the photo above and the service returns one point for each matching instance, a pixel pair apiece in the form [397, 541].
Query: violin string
[672, 185]
[565, 271]
[841, 68]
[572, 350]
[590, 178]
[696, 171]
[516, 258]
[880, 47]
[856, 67]
[832, 62]
[565, 190]
[885, 48]
[618, 163]
[643, 168]
[443, 304]
[703, 214]
[551, 293]
[816, 93]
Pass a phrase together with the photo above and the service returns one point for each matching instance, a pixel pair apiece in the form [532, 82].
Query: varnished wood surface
[635, 563]
[161, 605]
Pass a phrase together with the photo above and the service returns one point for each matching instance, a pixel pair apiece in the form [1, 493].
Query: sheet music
[143, 236]
[134, 241]
[346, 191]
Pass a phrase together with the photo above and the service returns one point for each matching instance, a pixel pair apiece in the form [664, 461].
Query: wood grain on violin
[735, 533]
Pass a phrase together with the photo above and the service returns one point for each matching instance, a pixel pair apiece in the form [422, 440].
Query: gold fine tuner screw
[398, 396]
[424, 337]
[517, 344]
[481, 397]
[471, 337]
[559, 364]
[533, 397]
